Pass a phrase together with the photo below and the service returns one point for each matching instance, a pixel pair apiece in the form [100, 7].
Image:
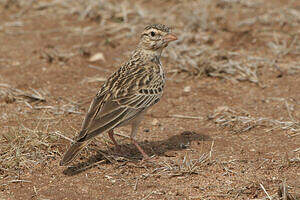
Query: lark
[127, 94]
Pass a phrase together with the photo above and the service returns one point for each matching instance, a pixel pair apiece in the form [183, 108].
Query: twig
[135, 185]
[146, 197]
[288, 110]
[106, 156]
[298, 149]
[296, 134]
[284, 190]
[119, 134]
[61, 135]
[211, 148]
[27, 104]
[186, 117]
[265, 191]
[262, 164]
[16, 181]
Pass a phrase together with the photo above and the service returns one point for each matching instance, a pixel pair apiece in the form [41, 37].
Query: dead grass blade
[33, 95]
[93, 79]
[265, 191]
[187, 166]
[60, 110]
[186, 117]
[283, 192]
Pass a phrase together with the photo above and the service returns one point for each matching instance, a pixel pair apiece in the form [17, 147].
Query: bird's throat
[151, 54]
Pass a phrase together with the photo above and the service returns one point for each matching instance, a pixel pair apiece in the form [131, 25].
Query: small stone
[96, 57]
[155, 122]
[15, 63]
[187, 89]
[111, 179]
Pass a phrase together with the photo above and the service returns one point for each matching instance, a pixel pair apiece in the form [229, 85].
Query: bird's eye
[152, 34]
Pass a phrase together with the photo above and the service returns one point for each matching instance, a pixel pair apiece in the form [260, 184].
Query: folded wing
[122, 97]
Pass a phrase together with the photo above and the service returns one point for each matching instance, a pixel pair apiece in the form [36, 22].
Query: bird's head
[156, 37]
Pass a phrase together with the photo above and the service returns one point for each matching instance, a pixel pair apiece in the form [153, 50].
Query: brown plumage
[128, 93]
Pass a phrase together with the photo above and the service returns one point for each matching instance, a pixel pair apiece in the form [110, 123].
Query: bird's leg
[132, 136]
[111, 136]
[145, 156]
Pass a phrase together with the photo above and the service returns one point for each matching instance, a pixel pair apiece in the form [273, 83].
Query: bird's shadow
[158, 148]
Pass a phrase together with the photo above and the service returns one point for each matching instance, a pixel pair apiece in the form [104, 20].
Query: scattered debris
[283, 192]
[187, 89]
[96, 57]
[155, 122]
[93, 79]
[265, 191]
[185, 167]
[111, 179]
[11, 94]
[186, 117]
[52, 55]
[59, 110]
[32, 138]
[241, 121]
[63, 136]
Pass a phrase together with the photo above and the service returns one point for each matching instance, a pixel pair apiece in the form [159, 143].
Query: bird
[127, 94]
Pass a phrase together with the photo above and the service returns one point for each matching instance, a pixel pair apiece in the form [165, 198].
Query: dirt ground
[227, 126]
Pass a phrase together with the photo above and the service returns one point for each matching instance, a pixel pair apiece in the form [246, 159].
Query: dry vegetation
[227, 128]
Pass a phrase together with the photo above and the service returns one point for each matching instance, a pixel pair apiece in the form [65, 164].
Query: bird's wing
[125, 94]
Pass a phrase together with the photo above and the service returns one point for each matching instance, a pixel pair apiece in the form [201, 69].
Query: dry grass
[241, 121]
[23, 147]
[11, 94]
[284, 194]
[185, 167]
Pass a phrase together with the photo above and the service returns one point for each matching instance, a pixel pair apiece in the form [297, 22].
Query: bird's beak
[169, 37]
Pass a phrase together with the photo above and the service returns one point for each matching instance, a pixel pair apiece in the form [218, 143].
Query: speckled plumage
[127, 93]
[160, 27]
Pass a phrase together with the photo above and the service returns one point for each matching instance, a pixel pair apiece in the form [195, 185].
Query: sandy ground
[227, 126]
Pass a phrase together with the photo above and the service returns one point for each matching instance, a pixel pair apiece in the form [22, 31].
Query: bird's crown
[160, 27]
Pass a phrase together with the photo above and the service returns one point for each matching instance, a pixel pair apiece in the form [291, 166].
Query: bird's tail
[72, 152]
